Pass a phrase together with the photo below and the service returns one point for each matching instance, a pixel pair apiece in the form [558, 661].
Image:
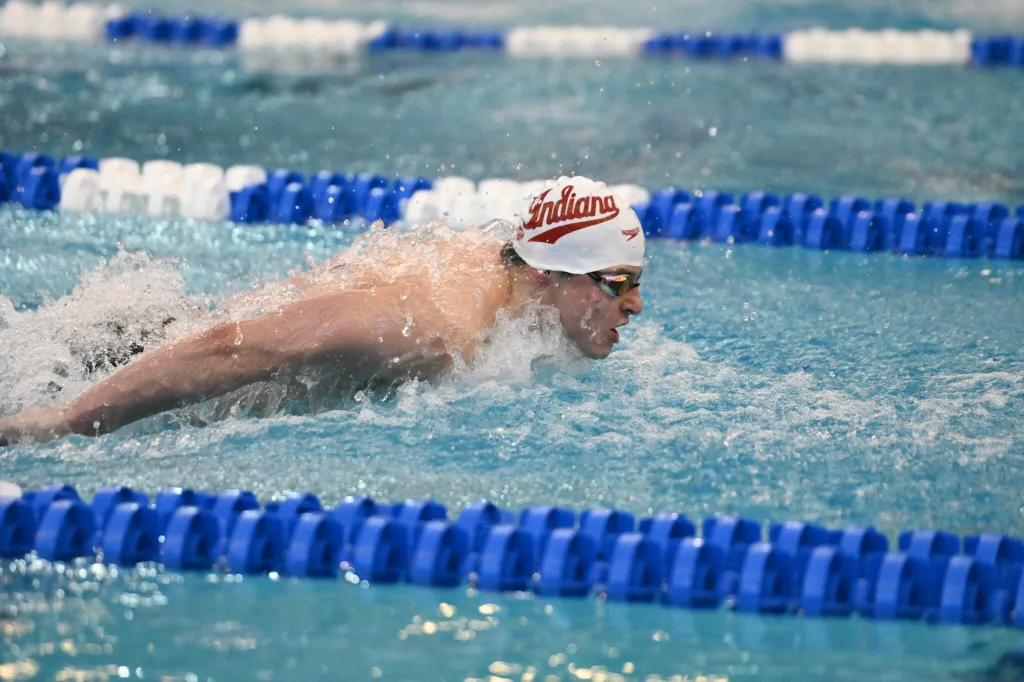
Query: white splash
[55, 352]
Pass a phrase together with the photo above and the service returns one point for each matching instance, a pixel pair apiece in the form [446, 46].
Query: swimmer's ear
[541, 275]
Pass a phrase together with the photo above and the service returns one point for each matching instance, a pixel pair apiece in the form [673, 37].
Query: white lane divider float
[576, 41]
[54, 21]
[280, 32]
[878, 47]
[158, 188]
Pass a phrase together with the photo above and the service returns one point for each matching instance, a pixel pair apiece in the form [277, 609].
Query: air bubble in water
[597, 62]
[238, 336]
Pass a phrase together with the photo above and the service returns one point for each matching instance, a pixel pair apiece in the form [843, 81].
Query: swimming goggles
[616, 285]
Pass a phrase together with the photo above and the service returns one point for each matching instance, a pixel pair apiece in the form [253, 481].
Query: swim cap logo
[568, 214]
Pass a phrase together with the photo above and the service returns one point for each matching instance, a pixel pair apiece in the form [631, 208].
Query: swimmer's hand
[35, 424]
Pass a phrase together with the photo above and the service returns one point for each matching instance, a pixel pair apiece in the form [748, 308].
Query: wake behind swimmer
[389, 318]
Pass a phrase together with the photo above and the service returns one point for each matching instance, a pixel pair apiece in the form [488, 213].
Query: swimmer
[577, 250]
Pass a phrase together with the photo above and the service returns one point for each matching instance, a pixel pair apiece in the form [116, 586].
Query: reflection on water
[97, 623]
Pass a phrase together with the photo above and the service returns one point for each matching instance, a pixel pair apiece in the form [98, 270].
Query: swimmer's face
[590, 316]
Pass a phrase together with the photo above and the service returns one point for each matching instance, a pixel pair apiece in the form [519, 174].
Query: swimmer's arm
[354, 333]
[190, 370]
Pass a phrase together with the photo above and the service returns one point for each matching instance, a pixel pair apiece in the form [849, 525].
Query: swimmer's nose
[632, 303]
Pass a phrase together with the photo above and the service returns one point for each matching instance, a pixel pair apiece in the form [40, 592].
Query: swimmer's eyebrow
[621, 271]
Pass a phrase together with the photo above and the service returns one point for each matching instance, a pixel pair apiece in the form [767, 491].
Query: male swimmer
[578, 250]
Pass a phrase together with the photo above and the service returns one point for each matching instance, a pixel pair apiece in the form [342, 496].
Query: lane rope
[94, 23]
[249, 194]
[793, 568]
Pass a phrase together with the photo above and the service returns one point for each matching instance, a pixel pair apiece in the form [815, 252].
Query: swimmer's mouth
[615, 332]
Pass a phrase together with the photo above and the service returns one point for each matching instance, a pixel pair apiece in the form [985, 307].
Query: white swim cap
[577, 225]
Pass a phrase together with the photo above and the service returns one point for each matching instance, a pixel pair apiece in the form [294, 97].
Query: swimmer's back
[442, 289]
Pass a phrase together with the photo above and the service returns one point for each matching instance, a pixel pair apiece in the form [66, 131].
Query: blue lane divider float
[847, 223]
[86, 22]
[794, 568]
[154, 27]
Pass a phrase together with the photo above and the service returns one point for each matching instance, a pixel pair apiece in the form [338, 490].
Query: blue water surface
[776, 383]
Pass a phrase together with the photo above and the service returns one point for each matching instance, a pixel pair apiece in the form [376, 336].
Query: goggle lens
[616, 285]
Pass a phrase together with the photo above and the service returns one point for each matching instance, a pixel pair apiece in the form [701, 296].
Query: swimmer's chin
[601, 349]
[600, 352]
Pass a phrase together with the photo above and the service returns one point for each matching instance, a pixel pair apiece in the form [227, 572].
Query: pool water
[774, 383]
[923, 133]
